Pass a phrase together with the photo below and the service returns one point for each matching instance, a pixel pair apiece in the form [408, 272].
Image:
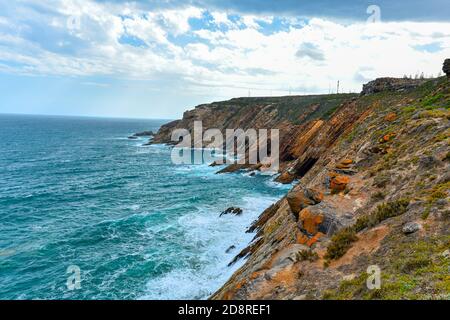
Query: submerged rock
[232, 210]
[144, 134]
[214, 164]
[231, 248]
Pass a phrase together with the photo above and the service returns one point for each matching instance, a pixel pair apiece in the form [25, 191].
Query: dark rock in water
[214, 164]
[252, 174]
[132, 137]
[144, 134]
[233, 210]
[446, 67]
[231, 248]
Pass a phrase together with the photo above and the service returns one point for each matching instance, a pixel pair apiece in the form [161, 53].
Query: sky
[158, 58]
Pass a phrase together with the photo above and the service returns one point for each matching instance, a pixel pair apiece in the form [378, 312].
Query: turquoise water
[76, 191]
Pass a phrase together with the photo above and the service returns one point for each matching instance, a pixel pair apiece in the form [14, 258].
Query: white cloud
[305, 57]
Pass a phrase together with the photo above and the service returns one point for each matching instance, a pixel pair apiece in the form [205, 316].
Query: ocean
[77, 192]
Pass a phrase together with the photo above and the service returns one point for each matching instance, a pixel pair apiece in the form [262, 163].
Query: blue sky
[158, 58]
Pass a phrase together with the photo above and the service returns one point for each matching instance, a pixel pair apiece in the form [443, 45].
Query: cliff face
[373, 190]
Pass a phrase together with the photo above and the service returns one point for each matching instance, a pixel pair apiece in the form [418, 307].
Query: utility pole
[337, 91]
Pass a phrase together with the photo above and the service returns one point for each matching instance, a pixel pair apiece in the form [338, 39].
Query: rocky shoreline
[373, 182]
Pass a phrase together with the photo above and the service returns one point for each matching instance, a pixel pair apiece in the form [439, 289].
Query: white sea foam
[212, 235]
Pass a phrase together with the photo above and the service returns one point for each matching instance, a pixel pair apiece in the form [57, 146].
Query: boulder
[339, 183]
[300, 197]
[411, 227]
[285, 178]
[446, 67]
[392, 116]
[132, 137]
[321, 218]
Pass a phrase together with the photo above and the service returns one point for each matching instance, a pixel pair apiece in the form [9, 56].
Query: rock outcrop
[446, 67]
[391, 84]
[299, 198]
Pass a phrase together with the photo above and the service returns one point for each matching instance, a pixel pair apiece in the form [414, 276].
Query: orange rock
[390, 117]
[300, 198]
[332, 174]
[339, 183]
[310, 221]
[387, 137]
[346, 161]
[285, 178]
[314, 239]
[302, 238]
[342, 166]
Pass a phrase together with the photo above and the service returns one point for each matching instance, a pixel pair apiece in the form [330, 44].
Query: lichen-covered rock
[300, 198]
[410, 227]
[321, 218]
[391, 116]
[339, 183]
[285, 178]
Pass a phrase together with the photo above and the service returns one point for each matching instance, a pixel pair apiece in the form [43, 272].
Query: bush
[340, 243]
[342, 240]
[307, 255]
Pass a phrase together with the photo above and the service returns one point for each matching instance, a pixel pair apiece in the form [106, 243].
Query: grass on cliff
[415, 270]
[343, 239]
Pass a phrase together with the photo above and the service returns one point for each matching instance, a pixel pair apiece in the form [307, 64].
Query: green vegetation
[307, 255]
[342, 240]
[340, 243]
[439, 191]
[418, 271]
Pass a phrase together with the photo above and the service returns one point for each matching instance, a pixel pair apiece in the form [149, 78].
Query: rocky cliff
[372, 191]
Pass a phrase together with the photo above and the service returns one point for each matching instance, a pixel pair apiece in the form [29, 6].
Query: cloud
[208, 48]
[310, 50]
